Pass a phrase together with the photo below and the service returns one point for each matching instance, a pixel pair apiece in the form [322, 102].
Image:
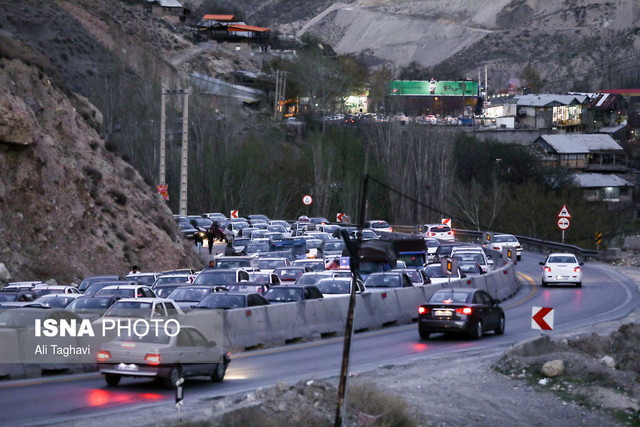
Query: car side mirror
[541, 263]
[490, 262]
[582, 263]
[463, 276]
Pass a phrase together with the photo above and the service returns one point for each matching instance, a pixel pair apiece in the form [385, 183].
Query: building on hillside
[605, 110]
[437, 98]
[226, 28]
[599, 187]
[598, 164]
[548, 111]
[169, 10]
[583, 152]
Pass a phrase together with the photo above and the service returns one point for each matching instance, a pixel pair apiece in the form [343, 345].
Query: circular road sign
[563, 223]
[307, 200]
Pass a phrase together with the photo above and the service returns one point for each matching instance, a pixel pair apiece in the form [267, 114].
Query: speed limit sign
[307, 200]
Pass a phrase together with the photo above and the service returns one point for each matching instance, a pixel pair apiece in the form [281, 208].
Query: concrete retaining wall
[278, 324]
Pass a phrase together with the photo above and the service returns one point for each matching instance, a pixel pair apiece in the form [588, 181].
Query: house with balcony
[597, 161]
[549, 111]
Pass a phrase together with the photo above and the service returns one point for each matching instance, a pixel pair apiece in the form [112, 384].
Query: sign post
[564, 220]
[179, 396]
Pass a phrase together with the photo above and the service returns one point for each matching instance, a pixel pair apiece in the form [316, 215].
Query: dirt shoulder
[468, 389]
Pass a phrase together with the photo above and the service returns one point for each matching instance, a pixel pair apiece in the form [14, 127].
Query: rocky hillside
[574, 44]
[70, 208]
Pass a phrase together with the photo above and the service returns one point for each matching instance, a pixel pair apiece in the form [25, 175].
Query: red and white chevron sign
[542, 318]
[234, 213]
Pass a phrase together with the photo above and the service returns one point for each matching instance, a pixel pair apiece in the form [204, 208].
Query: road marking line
[534, 291]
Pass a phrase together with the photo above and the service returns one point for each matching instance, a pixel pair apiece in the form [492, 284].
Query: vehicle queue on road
[282, 269]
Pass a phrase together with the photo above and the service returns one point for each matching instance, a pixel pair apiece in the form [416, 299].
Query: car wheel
[174, 375]
[477, 330]
[500, 328]
[579, 285]
[112, 379]
[424, 334]
[218, 373]
[519, 257]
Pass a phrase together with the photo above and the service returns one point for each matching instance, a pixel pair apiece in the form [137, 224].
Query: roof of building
[545, 100]
[613, 129]
[627, 92]
[576, 143]
[169, 3]
[604, 101]
[218, 17]
[240, 27]
[591, 180]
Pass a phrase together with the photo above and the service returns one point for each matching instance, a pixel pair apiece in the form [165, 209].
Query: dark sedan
[460, 310]
[229, 300]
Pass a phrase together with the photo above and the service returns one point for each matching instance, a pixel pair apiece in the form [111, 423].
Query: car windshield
[469, 258]
[334, 246]
[188, 294]
[330, 286]
[414, 275]
[88, 304]
[222, 301]
[54, 300]
[435, 271]
[313, 243]
[232, 263]
[143, 279]
[383, 281]
[8, 296]
[246, 288]
[562, 259]
[469, 268]
[278, 228]
[271, 263]
[284, 294]
[150, 338]
[171, 279]
[125, 293]
[449, 296]
[313, 265]
[289, 273]
[240, 242]
[502, 239]
[257, 247]
[129, 309]
[380, 224]
[309, 279]
[215, 278]
[369, 267]
[164, 291]
[440, 229]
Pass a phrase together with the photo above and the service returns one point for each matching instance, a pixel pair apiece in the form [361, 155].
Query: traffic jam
[168, 325]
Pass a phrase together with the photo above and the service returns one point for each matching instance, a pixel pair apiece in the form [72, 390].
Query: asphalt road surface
[605, 295]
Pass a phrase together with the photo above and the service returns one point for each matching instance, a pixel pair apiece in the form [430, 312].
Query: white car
[502, 240]
[437, 275]
[378, 225]
[472, 254]
[438, 231]
[562, 268]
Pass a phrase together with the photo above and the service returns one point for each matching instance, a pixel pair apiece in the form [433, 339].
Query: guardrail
[537, 245]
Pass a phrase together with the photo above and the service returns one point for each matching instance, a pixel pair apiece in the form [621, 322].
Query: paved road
[605, 295]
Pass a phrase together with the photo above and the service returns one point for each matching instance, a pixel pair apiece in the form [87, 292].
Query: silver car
[165, 357]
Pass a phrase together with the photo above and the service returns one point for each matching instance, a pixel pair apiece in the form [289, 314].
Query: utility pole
[281, 84]
[185, 144]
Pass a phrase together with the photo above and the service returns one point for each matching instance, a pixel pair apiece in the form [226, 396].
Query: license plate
[562, 277]
[127, 367]
[442, 313]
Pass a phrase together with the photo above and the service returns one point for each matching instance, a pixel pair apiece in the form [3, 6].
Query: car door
[492, 310]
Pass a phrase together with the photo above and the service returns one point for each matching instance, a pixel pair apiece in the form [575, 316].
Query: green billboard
[433, 88]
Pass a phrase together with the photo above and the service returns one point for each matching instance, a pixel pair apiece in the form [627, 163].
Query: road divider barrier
[312, 319]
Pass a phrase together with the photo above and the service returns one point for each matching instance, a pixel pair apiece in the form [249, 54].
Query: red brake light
[152, 359]
[431, 234]
[391, 229]
[577, 269]
[451, 232]
[448, 301]
[423, 310]
[547, 269]
[103, 355]
[465, 310]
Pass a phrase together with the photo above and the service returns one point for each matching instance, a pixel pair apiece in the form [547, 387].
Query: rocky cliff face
[70, 208]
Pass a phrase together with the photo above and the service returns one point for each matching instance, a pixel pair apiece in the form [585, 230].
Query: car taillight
[431, 234]
[451, 233]
[103, 355]
[496, 248]
[152, 359]
[391, 229]
[423, 310]
[577, 269]
[547, 269]
[465, 310]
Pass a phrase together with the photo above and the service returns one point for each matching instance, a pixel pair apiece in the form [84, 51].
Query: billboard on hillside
[433, 88]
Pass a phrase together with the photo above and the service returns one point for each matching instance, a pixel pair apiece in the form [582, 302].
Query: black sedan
[460, 310]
